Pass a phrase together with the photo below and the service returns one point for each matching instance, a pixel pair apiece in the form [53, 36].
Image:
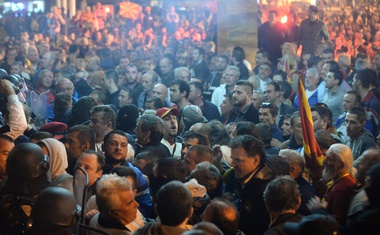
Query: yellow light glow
[284, 19]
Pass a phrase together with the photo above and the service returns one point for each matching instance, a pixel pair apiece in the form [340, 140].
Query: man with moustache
[341, 184]
[242, 100]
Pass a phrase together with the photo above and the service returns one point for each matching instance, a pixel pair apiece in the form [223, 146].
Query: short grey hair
[108, 190]
[177, 70]
[342, 153]
[233, 68]
[293, 157]
[313, 71]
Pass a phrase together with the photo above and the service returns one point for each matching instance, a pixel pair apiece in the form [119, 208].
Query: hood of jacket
[57, 156]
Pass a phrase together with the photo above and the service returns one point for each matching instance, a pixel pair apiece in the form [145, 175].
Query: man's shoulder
[287, 108]
[252, 109]
[209, 104]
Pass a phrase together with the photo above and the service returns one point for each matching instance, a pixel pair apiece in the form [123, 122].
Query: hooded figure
[127, 118]
[58, 163]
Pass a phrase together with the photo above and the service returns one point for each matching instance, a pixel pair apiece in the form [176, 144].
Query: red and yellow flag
[312, 153]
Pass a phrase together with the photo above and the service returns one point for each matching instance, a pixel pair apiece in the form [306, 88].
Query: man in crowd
[338, 169]
[268, 115]
[197, 154]
[192, 138]
[297, 168]
[216, 76]
[169, 117]
[311, 32]
[117, 205]
[166, 69]
[223, 214]
[248, 161]
[226, 107]
[199, 65]
[150, 131]
[360, 138]
[334, 95]
[282, 199]
[271, 35]
[238, 59]
[132, 80]
[263, 76]
[161, 91]
[272, 94]
[63, 85]
[92, 162]
[370, 103]
[209, 110]
[174, 208]
[296, 139]
[350, 100]
[286, 128]
[179, 93]
[110, 81]
[126, 96]
[182, 73]
[148, 81]
[102, 121]
[232, 74]
[311, 86]
[78, 139]
[115, 149]
[242, 100]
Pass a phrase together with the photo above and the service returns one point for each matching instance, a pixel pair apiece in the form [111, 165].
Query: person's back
[174, 208]
[54, 212]
[27, 170]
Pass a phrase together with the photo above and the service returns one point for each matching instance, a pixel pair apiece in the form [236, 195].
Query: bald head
[223, 214]
[64, 85]
[202, 128]
[369, 158]
[160, 91]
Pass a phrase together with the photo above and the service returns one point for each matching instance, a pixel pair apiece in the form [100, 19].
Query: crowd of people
[176, 138]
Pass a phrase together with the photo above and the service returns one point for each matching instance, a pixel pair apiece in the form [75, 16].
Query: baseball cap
[58, 129]
[315, 224]
[313, 9]
[162, 112]
[193, 114]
